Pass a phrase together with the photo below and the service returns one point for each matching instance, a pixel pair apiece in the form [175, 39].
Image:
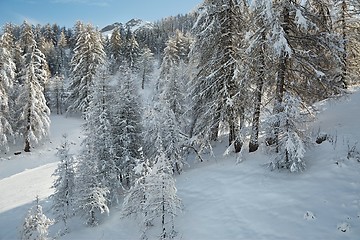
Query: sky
[97, 12]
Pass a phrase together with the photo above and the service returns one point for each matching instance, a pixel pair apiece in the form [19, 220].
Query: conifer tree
[33, 114]
[64, 185]
[7, 76]
[126, 125]
[36, 224]
[216, 90]
[146, 66]
[88, 56]
[116, 49]
[162, 201]
[99, 123]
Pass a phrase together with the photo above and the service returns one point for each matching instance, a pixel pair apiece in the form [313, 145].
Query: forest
[246, 72]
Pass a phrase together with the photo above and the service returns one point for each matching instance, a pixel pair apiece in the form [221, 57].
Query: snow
[222, 199]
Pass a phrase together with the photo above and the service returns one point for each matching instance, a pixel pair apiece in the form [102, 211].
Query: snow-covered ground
[221, 199]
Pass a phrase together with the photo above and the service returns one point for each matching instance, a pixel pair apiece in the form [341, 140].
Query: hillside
[222, 199]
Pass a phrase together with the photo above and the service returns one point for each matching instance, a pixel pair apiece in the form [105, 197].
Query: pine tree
[64, 185]
[33, 114]
[88, 56]
[7, 76]
[36, 224]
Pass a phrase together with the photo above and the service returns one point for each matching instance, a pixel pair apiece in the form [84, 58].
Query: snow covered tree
[160, 122]
[216, 87]
[298, 35]
[57, 93]
[36, 224]
[62, 58]
[91, 196]
[135, 198]
[33, 114]
[126, 125]
[64, 185]
[255, 64]
[173, 75]
[346, 25]
[131, 50]
[161, 201]
[146, 65]
[116, 49]
[101, 135]
[7, 75]
[88, 56]
[292, 136]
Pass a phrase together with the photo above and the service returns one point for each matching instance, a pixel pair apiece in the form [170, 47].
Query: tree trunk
[344, 43]
[280, 85]
[28, 129]
[254, 142]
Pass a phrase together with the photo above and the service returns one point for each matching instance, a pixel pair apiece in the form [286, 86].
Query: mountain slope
[225, 200]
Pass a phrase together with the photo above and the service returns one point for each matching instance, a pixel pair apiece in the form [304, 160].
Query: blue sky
[98, 12]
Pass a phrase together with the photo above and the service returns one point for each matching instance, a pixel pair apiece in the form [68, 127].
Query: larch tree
[146, 66]
[306, 56]
[131, 50]
[7, 76]
[99, 120]
[216, 91]
[36, 224]
[33, 113]
[126, 125]
[64, 185]
[116, 49]
[346, 24]
[88, 56]
[161, 201]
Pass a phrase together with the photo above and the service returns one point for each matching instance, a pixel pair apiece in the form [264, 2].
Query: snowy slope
[222, 199]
